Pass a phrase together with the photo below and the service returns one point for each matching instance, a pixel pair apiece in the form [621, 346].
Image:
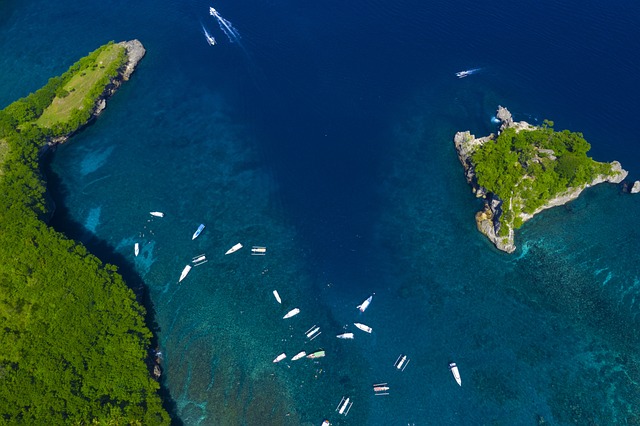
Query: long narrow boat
[344, 406]
[157, 214]
[258, 251]
[280, 357]
[198, 231]
[317, 354]
[291, 313]
[184, 273]
[363, 327]
[234, 248]
[313, 332]
[381, 389]
[456, 374]
[402, 362]
[363, 307]
[136, 249]
[298, 356]
[277, 296]
[345, 336]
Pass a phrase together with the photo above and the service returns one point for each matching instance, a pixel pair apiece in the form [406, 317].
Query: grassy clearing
[77, 89]
[4, 149]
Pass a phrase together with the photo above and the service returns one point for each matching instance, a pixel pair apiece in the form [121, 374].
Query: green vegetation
[73, 337]
[528, 168]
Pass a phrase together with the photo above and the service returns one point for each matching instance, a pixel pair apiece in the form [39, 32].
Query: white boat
[291, 313]
[466, 73]
[157, 214]
[344, 406]
[298, 356]
[258, 251]
[209, 37]
[280, 357]
[313, 332]
[199, 260]
[363, 327]
[136, 249]
[277, 296]
[363, 307]
[326, 423]
[234, 248]
[402, 362]
[198, 231]
[381, 389]
[456, 374]
[184, 273]
[345, 336]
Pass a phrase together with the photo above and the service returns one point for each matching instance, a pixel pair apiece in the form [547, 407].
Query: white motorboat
[344, 406]
[291, 313]
[209, 37]
[184, 273]
[402, 362]
[456, 374]
[157, 214]
[277, 296]
[381, 389]
[363, 327]
[258, 251]
[363, 307]
[234, 249]
[345, 336]
[280, 357]
[326, 423]
[299, 355]
[136, 249]
[313, 332]
[199, 260]
[198, 231]
[466, 73]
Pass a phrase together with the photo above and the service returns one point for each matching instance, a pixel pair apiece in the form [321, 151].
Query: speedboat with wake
[209, 37]
[466, 73]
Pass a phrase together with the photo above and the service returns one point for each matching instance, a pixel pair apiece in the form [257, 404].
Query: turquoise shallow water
[325, 134]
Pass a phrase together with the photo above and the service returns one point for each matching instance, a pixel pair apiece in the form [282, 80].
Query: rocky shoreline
[487, 219]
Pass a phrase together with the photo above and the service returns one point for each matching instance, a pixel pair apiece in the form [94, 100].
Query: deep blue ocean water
[324, 132]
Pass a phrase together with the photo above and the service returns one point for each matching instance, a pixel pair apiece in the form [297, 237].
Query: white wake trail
[227, 27]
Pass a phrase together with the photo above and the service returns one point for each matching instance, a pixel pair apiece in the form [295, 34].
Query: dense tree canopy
[73, 337]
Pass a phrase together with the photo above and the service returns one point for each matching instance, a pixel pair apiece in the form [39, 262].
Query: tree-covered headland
[526, 169]
[73, 338]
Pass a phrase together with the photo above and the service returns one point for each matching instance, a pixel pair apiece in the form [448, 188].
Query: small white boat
[298, 356]
[280, 357]
[157, 214]
[291, 313]
[277, 296]
[456, 374]
[136, 249]
[345, 336]
[258, 251]
[184, 273]
[326, 423]
[466, 73]
[363, 307]
[402, 362]
[363, 327]
[381, 389]
[198, 231]
[313, 332]
[199, 260]
[234, 248]
[209, 37]
[344, 406]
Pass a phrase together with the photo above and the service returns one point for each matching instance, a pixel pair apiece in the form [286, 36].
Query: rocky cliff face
[487, 220]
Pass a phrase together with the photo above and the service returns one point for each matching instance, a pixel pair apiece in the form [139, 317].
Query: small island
[526, 169]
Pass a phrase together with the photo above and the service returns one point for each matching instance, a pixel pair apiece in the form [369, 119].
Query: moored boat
[277, 296]
[258, 251]
[136, 249]
[280, 357]
[313, 332]
[317, 354]
[184, 273]
[291, 313]
[363, 307]
[157, 214]
[456, 374]
[198, 231]
[345, 336]
[381, 389]
[363, 327]
[299, 355]
[344, 406]
[234, 249]
[402, 362]
[325, 423]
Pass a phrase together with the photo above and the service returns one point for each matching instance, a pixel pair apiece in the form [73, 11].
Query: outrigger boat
[291, 313]
[258, 251]
[313, 332]
[199, 260]
[402, 362]
[277, 296]
[157, 214]
[136, 249]
[345, 336]
[381, 389]
[363, 307]
[456, 374]
[184, 273]
[280, 357]
[363, 327]
[198, 231]
[317, 354]
[344, 406]
[234, 248]
[299, 355]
